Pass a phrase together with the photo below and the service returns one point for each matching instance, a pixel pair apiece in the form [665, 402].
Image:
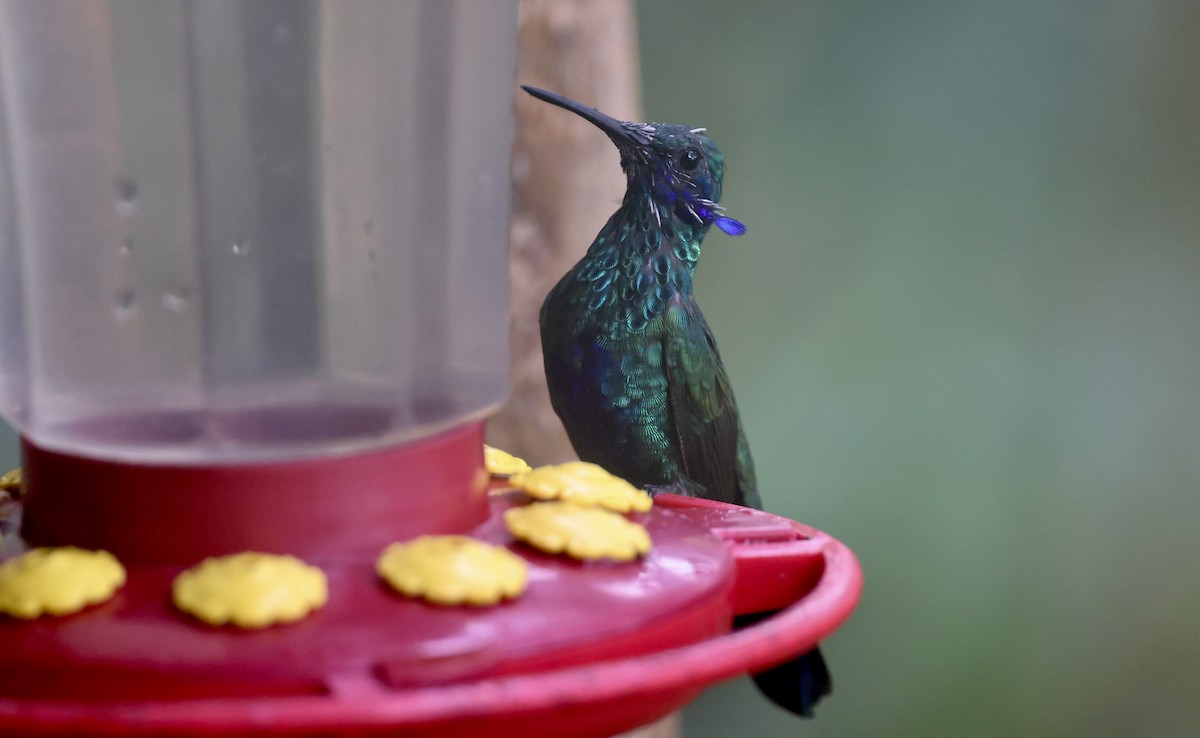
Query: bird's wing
[703, 412]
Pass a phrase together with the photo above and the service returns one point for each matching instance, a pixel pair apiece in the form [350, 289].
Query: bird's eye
[689, 159]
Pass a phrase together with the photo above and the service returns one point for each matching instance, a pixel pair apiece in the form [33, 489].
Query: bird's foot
[654, 490]
[684, 487]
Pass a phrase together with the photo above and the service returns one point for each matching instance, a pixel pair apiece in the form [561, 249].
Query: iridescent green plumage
[632, 366]
[633, 370]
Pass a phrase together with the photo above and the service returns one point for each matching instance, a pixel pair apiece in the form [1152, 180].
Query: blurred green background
[964, 330]
[10, 454]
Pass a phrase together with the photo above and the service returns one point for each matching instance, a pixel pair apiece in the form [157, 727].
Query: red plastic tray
[589, 650]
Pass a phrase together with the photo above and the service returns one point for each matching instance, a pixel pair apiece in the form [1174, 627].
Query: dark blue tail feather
[797, 685]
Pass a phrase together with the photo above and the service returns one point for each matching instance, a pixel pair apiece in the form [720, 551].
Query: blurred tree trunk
[566, 182]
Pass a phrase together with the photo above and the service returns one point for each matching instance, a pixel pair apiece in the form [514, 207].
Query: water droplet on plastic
[369, 226]
[126, 247]
[239, 248]
[127, 192]
[176, 302]
[126, 304]
[282, 33]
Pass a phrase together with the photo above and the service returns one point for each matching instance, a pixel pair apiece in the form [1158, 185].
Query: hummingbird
[633, 369]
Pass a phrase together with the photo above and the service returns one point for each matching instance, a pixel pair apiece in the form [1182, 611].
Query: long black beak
[617, 130]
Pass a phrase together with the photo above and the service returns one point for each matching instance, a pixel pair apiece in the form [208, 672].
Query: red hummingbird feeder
[253, 298]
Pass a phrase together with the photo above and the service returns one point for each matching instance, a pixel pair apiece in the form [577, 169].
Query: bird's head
[678, 170]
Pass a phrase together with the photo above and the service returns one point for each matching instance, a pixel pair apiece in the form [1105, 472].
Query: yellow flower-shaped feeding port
[10, 485]
[57, 581]
[580, 532]
[250, 590]
[501, 463]
[11, 480]
[583, 484]
[453, 570]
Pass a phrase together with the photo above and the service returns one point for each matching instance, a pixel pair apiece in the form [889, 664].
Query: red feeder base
[589, 650]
